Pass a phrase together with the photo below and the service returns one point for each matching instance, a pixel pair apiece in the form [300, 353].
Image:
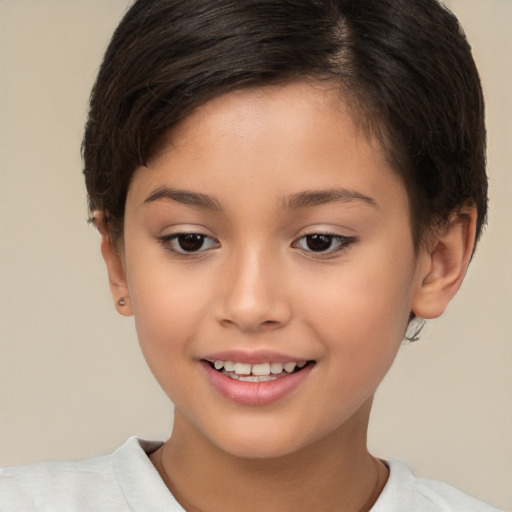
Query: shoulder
[55, 484]
[104, 483]
[405, 492]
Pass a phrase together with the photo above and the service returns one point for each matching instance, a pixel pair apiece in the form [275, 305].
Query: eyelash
[172, 243]
[342, 243]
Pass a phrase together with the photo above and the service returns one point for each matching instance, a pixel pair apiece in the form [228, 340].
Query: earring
[121, 302]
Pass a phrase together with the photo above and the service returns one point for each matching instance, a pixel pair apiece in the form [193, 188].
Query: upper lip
[253, 357]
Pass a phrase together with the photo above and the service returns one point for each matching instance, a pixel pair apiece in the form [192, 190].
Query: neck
[335, 473]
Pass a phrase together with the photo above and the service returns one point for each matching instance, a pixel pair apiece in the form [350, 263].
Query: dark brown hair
[403, 65]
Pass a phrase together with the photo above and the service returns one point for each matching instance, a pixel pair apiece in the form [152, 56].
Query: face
[270, 267]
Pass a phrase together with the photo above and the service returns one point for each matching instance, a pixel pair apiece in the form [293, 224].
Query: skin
[255, 284]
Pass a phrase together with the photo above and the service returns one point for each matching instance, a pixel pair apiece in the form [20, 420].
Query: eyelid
[167, 240]
[172, 231]
[344, 242]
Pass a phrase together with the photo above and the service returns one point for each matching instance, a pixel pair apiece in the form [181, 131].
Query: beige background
[72, 381]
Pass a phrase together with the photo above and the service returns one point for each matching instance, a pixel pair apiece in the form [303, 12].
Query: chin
[259, 449]
[259, 442]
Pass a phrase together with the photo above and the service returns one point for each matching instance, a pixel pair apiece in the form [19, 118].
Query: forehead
[296, 106]
[288, 138]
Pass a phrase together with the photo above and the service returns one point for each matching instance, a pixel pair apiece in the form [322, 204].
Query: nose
[254, 296]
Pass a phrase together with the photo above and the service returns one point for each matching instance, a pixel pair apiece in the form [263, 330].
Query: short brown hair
[404, 64]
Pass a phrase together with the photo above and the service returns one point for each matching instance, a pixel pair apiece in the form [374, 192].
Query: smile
[256, 383]
[261, 372]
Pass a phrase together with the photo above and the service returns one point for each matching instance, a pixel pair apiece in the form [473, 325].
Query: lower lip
[255, 393]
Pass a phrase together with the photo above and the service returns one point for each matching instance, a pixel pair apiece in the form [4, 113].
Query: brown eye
[319, 242]
[188, 243]
[323, 243]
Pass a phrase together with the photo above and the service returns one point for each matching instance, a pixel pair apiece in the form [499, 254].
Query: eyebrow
[186, 197]
[319, 197]
[294, 202]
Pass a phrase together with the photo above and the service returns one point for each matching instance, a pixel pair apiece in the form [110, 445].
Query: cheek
[168, 307]
[363, 303]
[361, 312]
[361, 334]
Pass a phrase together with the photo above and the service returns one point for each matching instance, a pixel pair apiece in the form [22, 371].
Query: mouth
[260, 372]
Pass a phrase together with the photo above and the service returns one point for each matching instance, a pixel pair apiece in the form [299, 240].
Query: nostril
[247, 324]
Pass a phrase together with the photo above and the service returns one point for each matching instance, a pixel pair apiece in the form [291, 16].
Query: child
[283, 189]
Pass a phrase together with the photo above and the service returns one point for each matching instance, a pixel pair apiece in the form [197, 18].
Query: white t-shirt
[126, 481]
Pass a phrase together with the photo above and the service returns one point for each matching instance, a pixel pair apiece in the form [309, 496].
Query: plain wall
[72, 381]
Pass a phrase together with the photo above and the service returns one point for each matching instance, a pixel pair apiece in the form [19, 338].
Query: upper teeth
[257, 369]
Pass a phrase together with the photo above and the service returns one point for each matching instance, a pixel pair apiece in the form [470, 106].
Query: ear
[443, 264]
[115, 267]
